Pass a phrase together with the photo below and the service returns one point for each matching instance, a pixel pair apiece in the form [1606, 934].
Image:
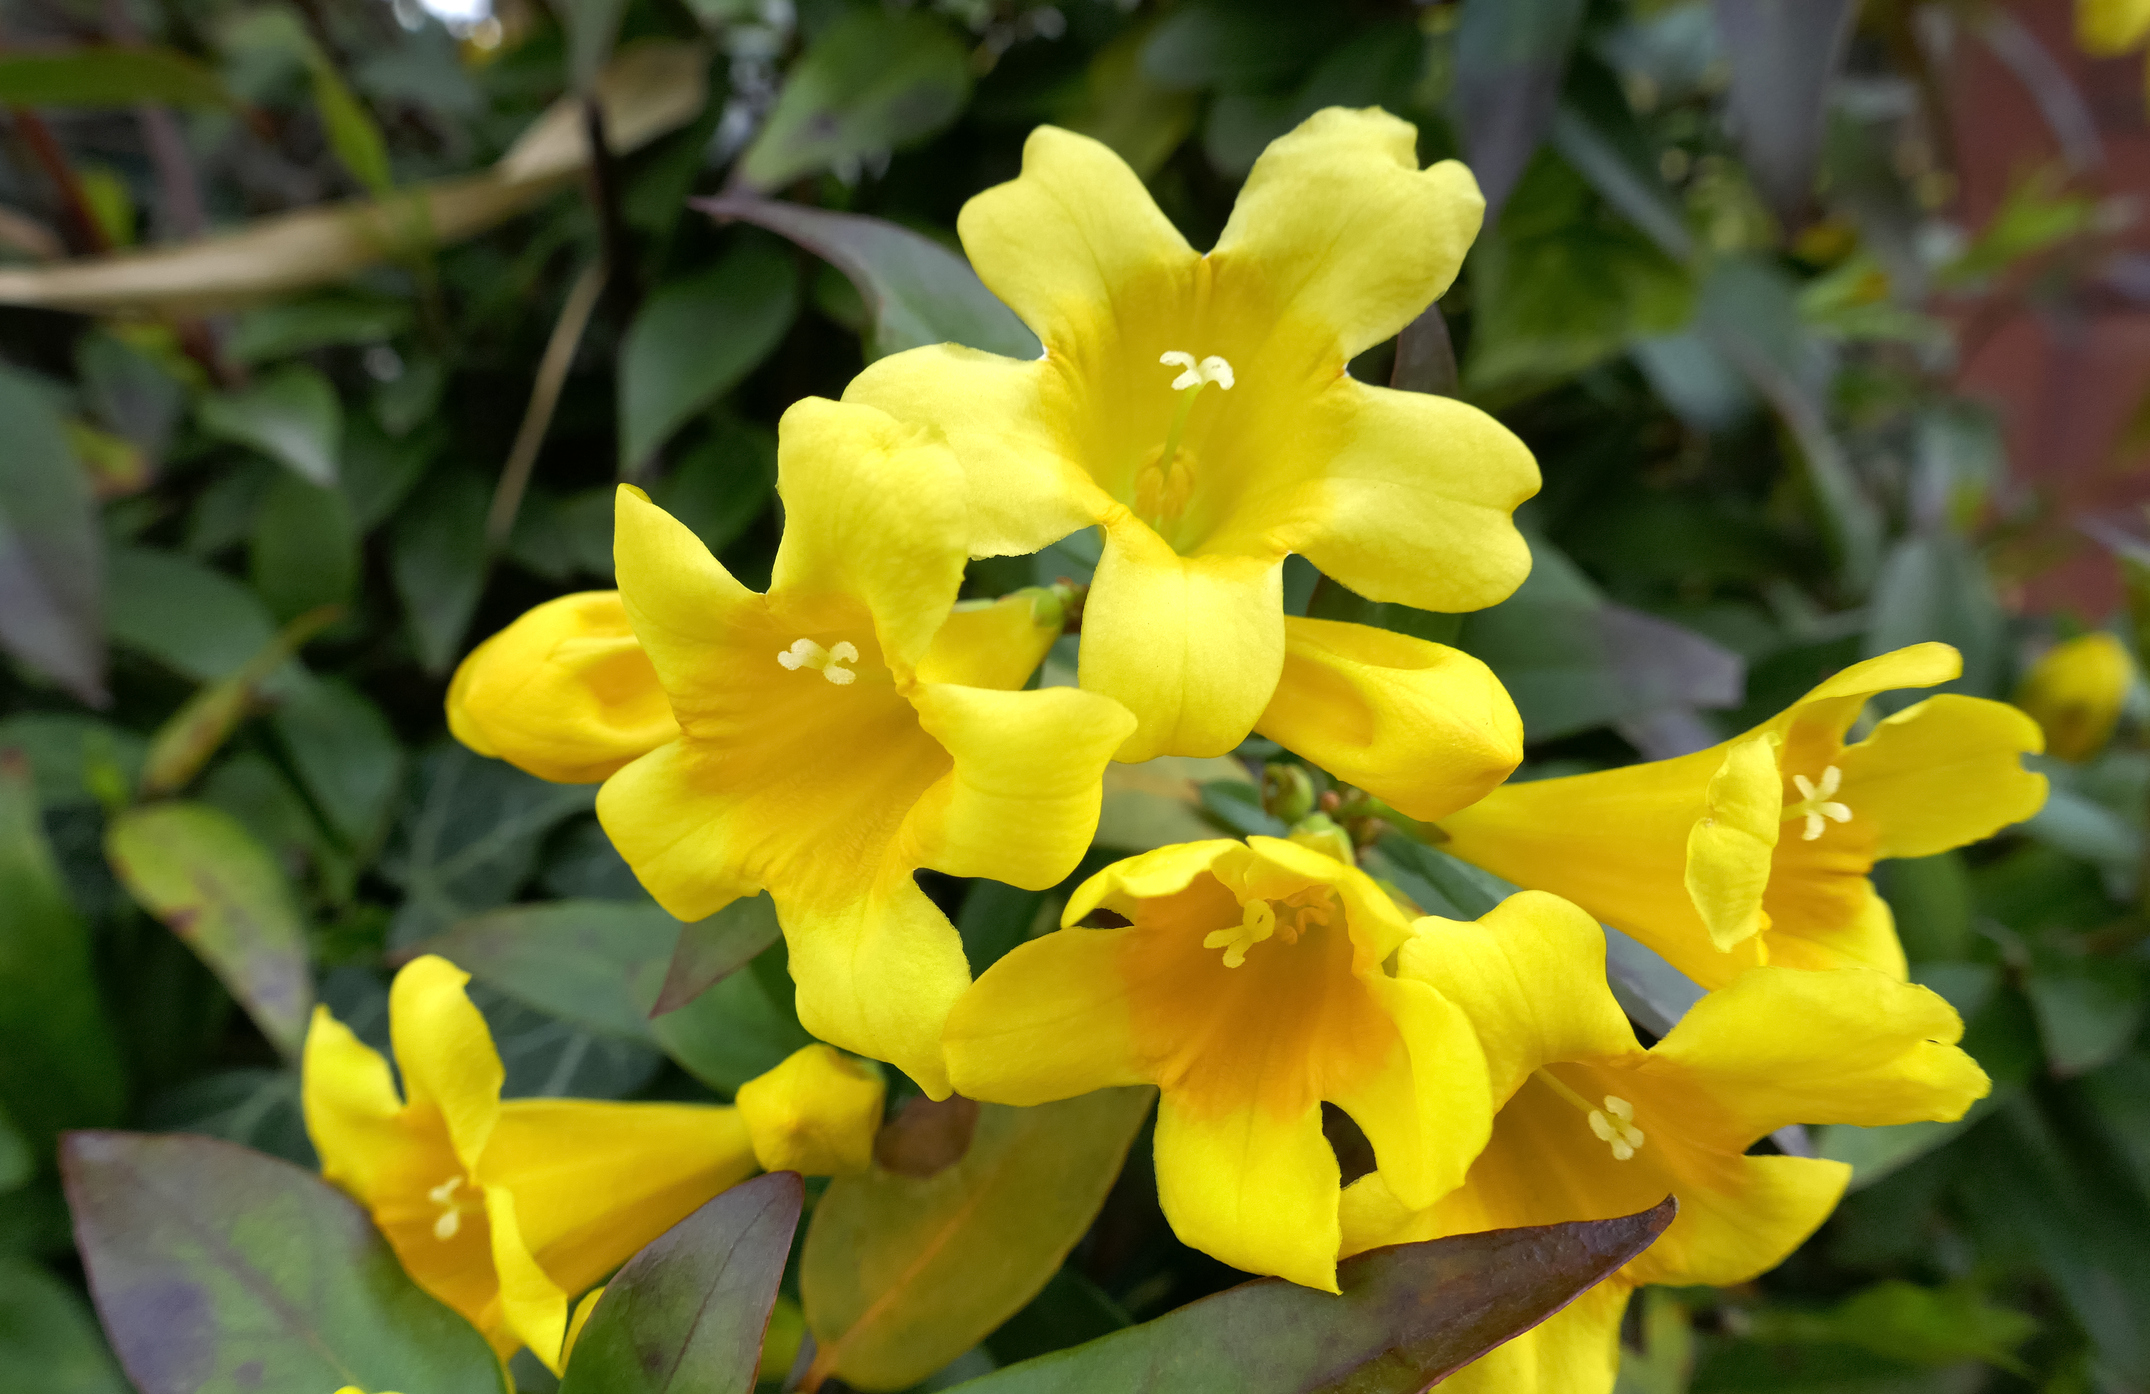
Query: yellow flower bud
[2075, 693]
[816, 1113]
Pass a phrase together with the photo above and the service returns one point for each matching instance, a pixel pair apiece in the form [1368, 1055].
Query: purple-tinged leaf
[218, 1270]
[51, 548]
[712, 949]
[1425, 355]
[1784, 53]
[1409, 1315]
[1510, 58]
[686, 1315]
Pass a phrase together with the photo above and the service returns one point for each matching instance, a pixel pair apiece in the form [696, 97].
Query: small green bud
[1287, 792]
[1320, 832]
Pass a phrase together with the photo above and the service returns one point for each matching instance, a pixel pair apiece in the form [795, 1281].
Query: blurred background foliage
[325, 340]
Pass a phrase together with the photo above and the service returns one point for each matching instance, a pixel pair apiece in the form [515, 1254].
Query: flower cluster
[826, 740]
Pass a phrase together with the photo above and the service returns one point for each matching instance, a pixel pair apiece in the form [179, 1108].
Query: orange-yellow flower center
[1817, 803]
[1283, 920]
[1165, 483]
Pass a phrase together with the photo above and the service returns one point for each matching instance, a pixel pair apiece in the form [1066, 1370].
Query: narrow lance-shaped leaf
[220, 1271]
[686, 1315]
[292, 416]
[711, 949]
[196, 869]
[101, 76]
[1783, 52]
[194, 733]
[51, 550]
[696, 338]
[1510, 55]
[1408, 1316]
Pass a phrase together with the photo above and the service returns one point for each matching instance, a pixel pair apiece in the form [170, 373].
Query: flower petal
[1730, 845]
[1072, 240]
[1823, 923]
[686, 609]
[1783, 1045]
[1530, 974]
[1427, 1111]
[816, 1113]
[445, 1053]
[533, 1307]
[1251, 1187]
[1153, 875]
[565, 692]
[1740, 1217]
[352, 1112]
[1943, 773]
[2110, 27]
[1050, 1020]
[1826, 712]
[1343, 233]
[1421, 726]
[1021, 804]
[996, 643]
[1415, 505]
[839, 466]
[1191, 645]
[1574, 1351]
[1009, 424]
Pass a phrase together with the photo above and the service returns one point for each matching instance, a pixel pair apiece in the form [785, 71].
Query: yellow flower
[815, 1113]
[2109, 27]
[501, 1209]
[1198, 408]
[1757, 851]
[1591, 1125]
[844, 730]
[2075, 693]
[1249, 986]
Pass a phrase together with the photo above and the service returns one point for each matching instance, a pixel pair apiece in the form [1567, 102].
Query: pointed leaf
[220, 1271]
[101, 76]
[206, 877]
[1409, 1315]
[48, 1339]
[901, 1274]
[1784, 53]
[686, 1315]
[695, 339]
[196, 621]
[711, 949]
[437, 559]
[1510, 55]
[292, 416]
[872, 80]
[51, 549]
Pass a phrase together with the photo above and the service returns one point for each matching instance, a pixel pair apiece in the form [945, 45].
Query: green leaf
[191, 736]
[686, 1315]
[1903, 1321]
[344, 752]
[593, 27]
[437, 560]
[300, 325]
[51, 591]
[1159, 802]
[901, 1274]
[100, 76]
[17, 1163]
[62, 747]
[1783, 57]
[221, 1271]
[196, 621]
[291, 415]
[2088, 1008]
[695, 339]
[304, 551]
[49, 1341]
[1239, 46]
[1510, 55]
[917, 291]
[1932, 586]
[201, 873]
[351, 131]
[723, 484]
[59, 1068]
[711, 949]
[1408, 1316]
[130, 392]
[873, 80]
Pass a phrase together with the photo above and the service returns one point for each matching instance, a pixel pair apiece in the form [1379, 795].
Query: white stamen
[1211, 369]
[1816, 804]
[1615, 1128]
[450, 1222]
[805, 653]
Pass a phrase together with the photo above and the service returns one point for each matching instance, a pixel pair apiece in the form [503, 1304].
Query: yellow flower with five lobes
[2075, 693]
[1248, 984]
[1197, 407]
[832, 736]
[504, 1209]
[1590, 1125]
[1758, 850]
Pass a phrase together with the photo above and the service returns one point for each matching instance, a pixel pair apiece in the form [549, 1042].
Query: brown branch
[544, 397]
[89, 233]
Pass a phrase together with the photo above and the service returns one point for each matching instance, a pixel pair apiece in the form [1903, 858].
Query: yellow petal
[1530, 975]
[1008, 423]
[1941, 774]
[1782, 1045]
[840, 467]
[1826, 712]
[1021, 803]
[1729, 848]
[1191, 645]
[2077, 689]
[352, 1112]
[686, 609]
[1574, 1351]
[1427, 1110]
[1050, 1020]
[565, 692]
[1342, 228]
[1071, 238]
[2108, 27]
[593, 1182]
[1415, 501]
[1423, 727]
[1251, 1188]
[1151, 876]
[995, 643]
[1838, 923]
[532, 1305]
[1739, 1218]
[816, 1113]
[877, 972]
[575, 1323]
[445, 1052]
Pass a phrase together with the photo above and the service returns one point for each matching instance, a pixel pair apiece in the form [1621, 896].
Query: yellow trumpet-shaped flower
[1758, 850]
[2109, 28]
[2075, 693]
[501, 1209]
[1249, 985]
[844, 730]
[1198, 408]
[816, 1113]
[1591, 1125]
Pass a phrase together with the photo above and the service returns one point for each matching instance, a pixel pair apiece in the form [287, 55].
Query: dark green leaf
[48, 1339]
[722, 485]
[437, 558]
[195, 620]
[201, 873]
[1932, 587]
[695, 339]
[711, 949]
[221, 1271]
[2088, 1008]
[304, 552]
[1510, 55]
[686, 1315]
[995, 918]
[292, 416]
[344, 751]
[1784, 53]
[1069, 1311]
[1237, 47]
[17, 1163]
[59, 1068]
[289, 327]
[101, 76]
[130, 392]
[62, 748]
[1409, 1315]
[352, 133]
[51, 592]
[873, 80]
[917, 291]
[594, 963]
